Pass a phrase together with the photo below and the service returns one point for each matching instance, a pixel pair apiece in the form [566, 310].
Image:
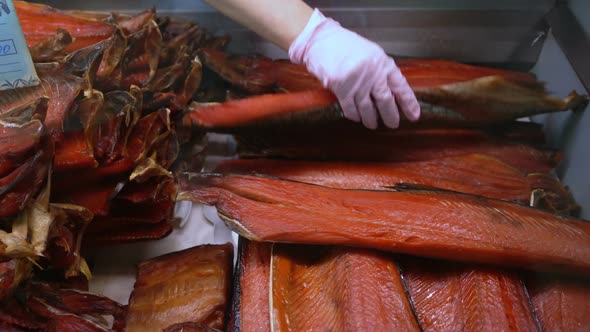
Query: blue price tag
[16, 66]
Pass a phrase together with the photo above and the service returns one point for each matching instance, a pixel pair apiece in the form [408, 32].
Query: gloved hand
[363, 77]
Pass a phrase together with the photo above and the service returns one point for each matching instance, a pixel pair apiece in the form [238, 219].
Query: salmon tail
[198, 187]
[549, 194]
[576, 102]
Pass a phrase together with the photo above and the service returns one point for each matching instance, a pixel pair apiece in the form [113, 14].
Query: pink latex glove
[366, 81]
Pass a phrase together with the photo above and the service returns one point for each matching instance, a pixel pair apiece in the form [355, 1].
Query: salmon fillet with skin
[443, 225]
[473, 174]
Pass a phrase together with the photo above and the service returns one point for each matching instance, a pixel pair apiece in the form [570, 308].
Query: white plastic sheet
[114, 267]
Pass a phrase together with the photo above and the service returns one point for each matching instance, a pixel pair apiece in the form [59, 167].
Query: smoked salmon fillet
[192, 285]
[435, 224]
[329, 288]
[472, 174]
[455, 297]
[561, 303]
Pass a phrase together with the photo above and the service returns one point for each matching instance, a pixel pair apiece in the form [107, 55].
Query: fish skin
[16, 140]
[424, 223]
[16, 195]
[190, 285]
[453, 297]
[356, 290]
[473, 174]
[561, 303]
[251, 290]
[60, 87]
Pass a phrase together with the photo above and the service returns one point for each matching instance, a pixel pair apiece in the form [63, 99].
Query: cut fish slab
[192, 285]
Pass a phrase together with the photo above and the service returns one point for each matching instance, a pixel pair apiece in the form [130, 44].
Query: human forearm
[278, 21]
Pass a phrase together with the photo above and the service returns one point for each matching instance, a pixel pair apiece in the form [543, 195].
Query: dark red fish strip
[65, 181]
[73, 153]
[96, 198]
[403, 145]
[110, 231]
[425, 223]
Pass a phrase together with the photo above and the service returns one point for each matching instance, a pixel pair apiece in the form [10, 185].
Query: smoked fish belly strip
[315, 288]
[476, 174]
[192, 285]
[454, 297]
[445, 225]
[251, 290]
[561, 304]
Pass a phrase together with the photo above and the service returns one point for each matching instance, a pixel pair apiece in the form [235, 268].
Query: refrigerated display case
[547, 37]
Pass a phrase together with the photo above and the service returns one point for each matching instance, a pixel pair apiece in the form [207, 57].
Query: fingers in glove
[385, 102]
[367, 110]
[404, 95]
[349, 109]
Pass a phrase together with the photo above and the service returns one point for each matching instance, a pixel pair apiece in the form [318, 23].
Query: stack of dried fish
[451, 187]
[41, 306]
[111, 114]
[87, 156]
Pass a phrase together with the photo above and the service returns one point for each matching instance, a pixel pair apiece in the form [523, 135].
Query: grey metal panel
[356, 5]
[572, 39]
[581, 9]
[566, 131]
[508, 33]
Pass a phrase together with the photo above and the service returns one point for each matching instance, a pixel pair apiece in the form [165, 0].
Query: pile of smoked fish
[455, 222]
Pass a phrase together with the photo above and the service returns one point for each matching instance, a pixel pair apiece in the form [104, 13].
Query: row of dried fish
[399, 191]
[337, 287]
